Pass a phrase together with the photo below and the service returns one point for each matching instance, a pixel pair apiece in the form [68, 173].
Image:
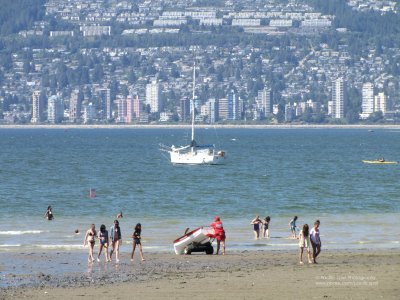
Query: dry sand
[246, 275]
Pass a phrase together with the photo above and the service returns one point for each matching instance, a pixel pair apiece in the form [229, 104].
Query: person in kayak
[219, 234]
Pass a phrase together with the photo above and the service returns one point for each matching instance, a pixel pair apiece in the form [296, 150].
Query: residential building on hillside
[153, 96]
[75, 107]
[55, 109]
[37, 108]
[380, 102]
[338, 98]
[367, 105]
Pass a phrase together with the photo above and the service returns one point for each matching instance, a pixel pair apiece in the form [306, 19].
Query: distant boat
[195, 154]
[380, 162]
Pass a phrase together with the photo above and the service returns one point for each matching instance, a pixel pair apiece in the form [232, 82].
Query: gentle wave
[9, 245]
[20, 232]
[67, 247]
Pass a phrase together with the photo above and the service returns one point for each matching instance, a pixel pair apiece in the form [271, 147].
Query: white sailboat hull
[197, 157]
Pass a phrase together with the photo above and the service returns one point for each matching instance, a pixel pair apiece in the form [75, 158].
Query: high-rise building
[130, 114]
[137, 107]
[212, 110]
[233, 106]
[75, 107]
[153, 96]
[89, 113]
[55, 109]
[223, 109]
[37, 108]
[185, 110]
[106, 103]
[121, 109]
[264, 102]
[338, 98]
[367, 100]
[380, 102]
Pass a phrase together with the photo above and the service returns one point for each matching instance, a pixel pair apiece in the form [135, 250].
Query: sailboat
[195, 154]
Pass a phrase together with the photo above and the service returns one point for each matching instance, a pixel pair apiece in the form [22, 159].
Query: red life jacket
[218, 228]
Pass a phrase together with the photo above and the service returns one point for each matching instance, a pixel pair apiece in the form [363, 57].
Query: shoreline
[363, 274]
[178, 126]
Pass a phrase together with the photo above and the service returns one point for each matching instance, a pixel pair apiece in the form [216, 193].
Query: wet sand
[242, 275]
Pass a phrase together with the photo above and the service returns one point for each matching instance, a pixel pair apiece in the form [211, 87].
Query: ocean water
[311, 173]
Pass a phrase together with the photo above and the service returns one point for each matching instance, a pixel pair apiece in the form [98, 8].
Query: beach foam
[20, 232]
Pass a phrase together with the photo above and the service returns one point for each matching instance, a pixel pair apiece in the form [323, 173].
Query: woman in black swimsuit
[89, 239]
[49, 214]
[266, 227]
[137, 240]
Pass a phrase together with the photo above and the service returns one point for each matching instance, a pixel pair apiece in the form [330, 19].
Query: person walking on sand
[103, 238]
[49, 213]
[256, 222]
[137, 241]
[304, 242]
[219, 234]
[315, 240]
[89, 239]
[266, 227]
[292, 225]
[116, 240]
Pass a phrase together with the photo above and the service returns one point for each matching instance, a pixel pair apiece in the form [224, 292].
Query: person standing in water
[292, 225]
[266, 227]
[116, 240]
[103, 238]
[315, 240]
[256, 222]
[89, 239]
[49, 214]
[137, 240]
[219, 234]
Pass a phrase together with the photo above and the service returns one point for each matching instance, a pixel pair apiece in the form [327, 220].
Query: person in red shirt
[219, 234]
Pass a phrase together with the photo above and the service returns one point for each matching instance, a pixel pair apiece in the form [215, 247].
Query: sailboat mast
[193, 95]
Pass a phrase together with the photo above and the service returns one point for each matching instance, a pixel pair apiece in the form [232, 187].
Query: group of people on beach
[115, 238]
[307, 239]
[261, 226]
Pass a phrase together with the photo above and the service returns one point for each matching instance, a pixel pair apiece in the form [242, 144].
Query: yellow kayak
[380, 162]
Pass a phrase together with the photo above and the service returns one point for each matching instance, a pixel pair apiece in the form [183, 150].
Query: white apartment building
[153, 96]
[281, 23]
[380, 102]
[338, 98]
[246, 22]
[55, 109]
[89, 113]
[37, 108]
[367, 100]
[264, 101]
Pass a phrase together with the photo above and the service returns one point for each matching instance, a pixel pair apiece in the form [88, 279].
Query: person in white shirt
[315, 240]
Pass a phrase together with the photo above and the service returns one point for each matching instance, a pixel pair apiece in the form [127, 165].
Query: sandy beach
[243, 275]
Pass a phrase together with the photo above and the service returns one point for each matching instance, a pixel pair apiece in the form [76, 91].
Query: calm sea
[311, 173]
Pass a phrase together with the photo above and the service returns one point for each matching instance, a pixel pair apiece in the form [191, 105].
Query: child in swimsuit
[137, 240]
[103, 238]
[292, 225]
